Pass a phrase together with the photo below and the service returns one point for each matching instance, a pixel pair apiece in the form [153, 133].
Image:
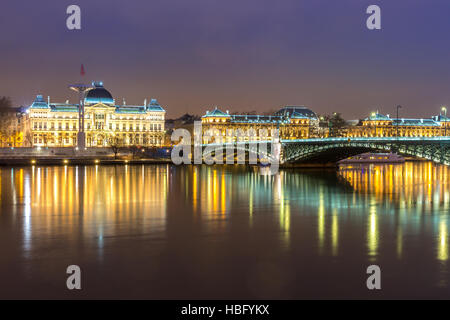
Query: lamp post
[81, 136]
[444, 110]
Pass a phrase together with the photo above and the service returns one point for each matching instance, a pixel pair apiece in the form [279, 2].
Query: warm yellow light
[66, 161]
[97, 161]
[126, 161]
[33, 161]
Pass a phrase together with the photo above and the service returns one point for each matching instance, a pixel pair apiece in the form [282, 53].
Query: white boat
[374, 158]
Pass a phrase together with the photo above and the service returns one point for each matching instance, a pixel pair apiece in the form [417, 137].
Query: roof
[416, 122]
[257, 119]
[434, 122]
[299, 111]
[95, 96]
[155, 106]
[98, 95]
[130, 109]
[441, 118]
[39, 103]
[216, 113]
[63, 107]
[297, 115]
[378, 117]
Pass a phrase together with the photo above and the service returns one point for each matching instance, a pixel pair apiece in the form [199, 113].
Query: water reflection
[208, 214]
[443, 241]
[100, 202]
[403, 191]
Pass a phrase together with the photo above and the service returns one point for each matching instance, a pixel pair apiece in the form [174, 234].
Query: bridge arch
[244, 147]
[335, 149]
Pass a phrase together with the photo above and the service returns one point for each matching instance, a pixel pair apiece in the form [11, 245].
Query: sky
[239, 55]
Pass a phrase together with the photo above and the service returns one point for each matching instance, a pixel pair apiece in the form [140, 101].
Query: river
[229, 232]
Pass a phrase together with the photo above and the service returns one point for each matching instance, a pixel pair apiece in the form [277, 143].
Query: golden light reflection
[194, 189]
[63, 198]
[399, 242]
[334, 233]
[250, 205]
[443, 241]
[406, 184]
[372, 232]
[212, 195]
[414, 188]
[321, 220]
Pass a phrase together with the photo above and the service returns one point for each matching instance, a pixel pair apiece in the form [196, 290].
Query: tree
[135, 151]
[115, 143]
[28, 139]
[5, 103]
[335, 123]
[7, 117]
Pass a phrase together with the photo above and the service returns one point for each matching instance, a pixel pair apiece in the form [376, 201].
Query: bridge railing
[348, 139]
[368, 139]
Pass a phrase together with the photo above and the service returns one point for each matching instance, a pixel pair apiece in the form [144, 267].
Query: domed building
[98, 94]
[105, 122]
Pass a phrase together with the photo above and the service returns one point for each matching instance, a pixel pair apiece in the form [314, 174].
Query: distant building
[293, 123]
[379, 125]
[105, 123]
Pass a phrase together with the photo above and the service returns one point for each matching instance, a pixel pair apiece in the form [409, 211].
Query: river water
[229, 232]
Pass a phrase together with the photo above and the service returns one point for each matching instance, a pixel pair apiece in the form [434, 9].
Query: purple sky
[240, 55]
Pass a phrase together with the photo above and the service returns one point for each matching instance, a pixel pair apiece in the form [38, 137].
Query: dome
[98, 95]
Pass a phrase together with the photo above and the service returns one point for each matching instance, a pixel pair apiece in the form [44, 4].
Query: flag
[82, 70]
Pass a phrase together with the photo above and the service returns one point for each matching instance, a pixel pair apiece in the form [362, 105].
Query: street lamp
[444, 110]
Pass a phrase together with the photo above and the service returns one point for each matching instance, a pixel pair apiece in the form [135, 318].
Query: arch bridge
[331, 150]
[324, 150]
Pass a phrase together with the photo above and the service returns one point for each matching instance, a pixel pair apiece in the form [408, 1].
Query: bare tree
[28, 139]
[115, 143]
[5, 103]
[135, 151]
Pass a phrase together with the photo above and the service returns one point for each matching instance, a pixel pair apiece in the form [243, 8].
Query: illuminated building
[292, 122]
[379, 125]
[105, 123]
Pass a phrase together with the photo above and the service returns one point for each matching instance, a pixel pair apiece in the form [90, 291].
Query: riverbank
[90, 156]
[78, 161]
